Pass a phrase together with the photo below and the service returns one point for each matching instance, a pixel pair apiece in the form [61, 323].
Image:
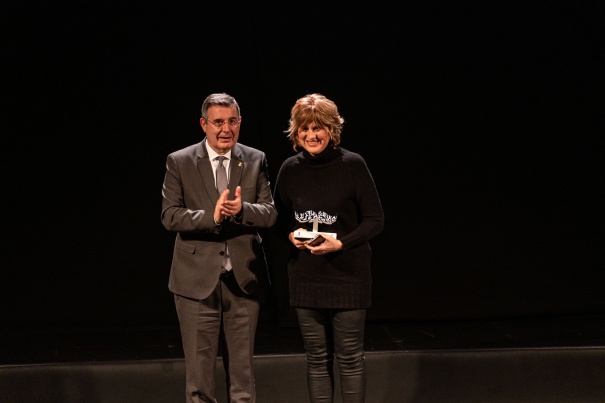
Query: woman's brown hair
[317, 109]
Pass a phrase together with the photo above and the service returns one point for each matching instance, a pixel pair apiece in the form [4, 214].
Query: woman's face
[312, 138]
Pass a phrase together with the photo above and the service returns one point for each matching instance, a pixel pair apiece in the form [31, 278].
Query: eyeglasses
[233, 122]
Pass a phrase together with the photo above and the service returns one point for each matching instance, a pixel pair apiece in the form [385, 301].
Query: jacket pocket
[184, 246]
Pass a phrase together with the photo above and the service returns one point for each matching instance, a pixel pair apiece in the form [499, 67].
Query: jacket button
[222, 253]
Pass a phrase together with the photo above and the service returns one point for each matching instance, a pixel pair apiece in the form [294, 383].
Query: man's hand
[330, 245]
[218, 215]
[296, 242]
[231, 208]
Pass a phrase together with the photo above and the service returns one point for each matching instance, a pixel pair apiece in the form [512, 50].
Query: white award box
[311, 234]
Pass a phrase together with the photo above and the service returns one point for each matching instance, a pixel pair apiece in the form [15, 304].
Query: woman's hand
[296, 242]
[330, 245]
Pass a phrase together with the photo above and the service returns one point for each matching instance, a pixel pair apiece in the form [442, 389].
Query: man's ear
[203, 124]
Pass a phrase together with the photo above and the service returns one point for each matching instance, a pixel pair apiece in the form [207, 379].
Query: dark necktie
[221, 185]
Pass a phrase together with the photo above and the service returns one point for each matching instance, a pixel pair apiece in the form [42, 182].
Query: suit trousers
[328, 333]
[227, 314]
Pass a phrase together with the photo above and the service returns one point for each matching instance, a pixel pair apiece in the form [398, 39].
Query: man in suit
[216, 193]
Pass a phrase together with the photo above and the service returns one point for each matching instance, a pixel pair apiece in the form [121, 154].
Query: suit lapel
[236, 167]
[205, 169]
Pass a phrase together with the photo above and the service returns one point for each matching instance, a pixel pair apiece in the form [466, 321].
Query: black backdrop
[480, 123]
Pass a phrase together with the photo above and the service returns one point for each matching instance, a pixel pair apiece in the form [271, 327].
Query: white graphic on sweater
[321, 217]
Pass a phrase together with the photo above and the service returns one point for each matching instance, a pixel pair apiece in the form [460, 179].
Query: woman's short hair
[315, 108]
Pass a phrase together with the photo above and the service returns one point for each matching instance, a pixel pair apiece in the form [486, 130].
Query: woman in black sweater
[330, 283]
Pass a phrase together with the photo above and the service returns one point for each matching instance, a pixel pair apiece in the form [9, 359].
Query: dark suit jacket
[189, 198]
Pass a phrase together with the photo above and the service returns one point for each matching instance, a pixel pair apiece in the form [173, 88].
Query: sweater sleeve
[283, 204]
[368, 206]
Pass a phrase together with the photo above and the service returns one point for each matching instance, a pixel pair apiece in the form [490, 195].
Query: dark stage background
[480, 122]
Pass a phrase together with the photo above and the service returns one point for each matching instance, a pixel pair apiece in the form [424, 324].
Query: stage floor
[540, 360]
[61, 345]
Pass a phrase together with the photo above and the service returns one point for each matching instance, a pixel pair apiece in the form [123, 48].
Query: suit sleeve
[263, 212]
[177, 217]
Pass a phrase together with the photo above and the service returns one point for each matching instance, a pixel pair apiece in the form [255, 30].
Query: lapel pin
[239, 165]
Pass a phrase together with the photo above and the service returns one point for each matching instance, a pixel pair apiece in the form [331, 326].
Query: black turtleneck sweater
[337, 187]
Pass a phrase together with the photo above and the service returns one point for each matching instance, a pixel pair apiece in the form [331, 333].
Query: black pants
[328, 333]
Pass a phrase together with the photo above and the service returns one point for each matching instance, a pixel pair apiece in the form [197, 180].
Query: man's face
[221, 138]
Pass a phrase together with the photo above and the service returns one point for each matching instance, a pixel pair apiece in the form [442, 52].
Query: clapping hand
[231, 208]
[219, 216]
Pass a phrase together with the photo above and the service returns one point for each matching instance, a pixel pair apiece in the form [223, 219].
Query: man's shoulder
[239, 150]
[188, 152]
[198, 150]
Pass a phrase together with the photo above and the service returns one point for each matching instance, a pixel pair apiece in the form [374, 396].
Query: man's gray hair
[218, 99]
